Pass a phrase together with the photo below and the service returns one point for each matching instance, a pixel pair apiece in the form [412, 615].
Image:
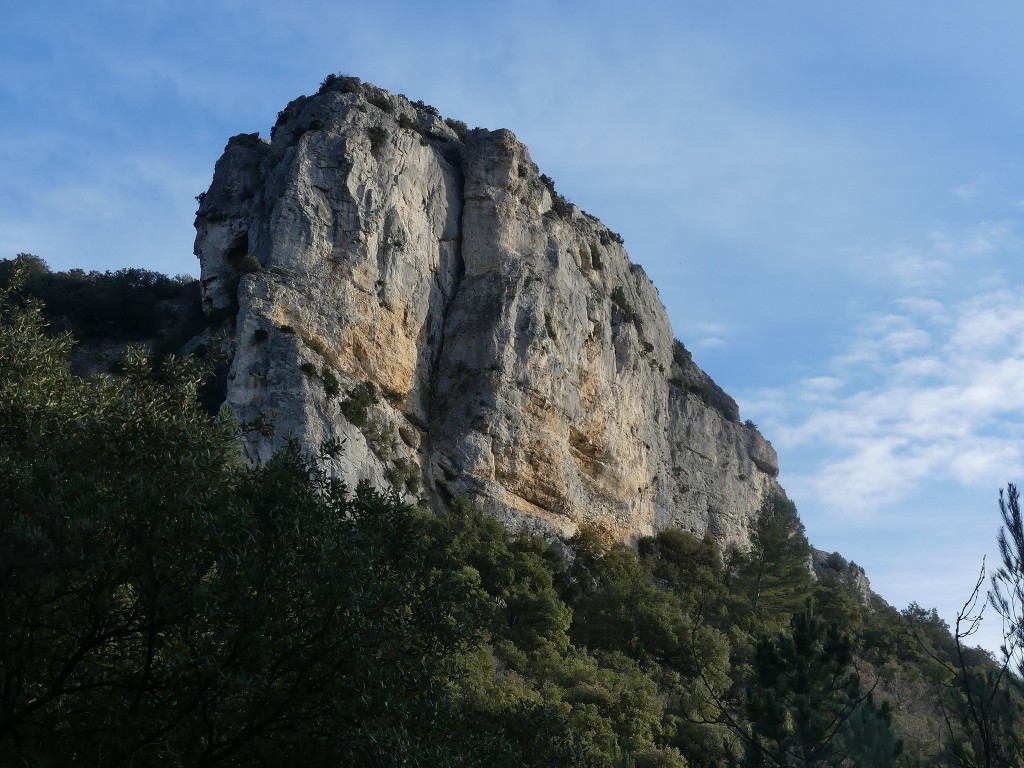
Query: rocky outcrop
[422, 293]
[831, 565]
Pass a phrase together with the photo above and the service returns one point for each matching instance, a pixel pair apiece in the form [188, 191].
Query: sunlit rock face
[514, 353]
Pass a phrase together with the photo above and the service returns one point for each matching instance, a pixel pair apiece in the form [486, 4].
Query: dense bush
[625, 306]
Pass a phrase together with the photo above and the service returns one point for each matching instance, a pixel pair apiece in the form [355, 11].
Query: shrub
[619, 299]
[287, 329]
[405, 474]
[559, 205]
[378, 138]
[314, 344]
[343, 83]
[549, 327]
[331, 385]
[407, 123]
[250, 264]
[426, 108]
[608, 237]
[360, 399]
[349, 84]
[836, 562]
[460, 128]
[681, 355]
[393, 396]
[327, 82]
[308, 368]
[382, 102]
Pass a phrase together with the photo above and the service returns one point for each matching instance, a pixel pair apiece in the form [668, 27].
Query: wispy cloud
[711, 336]
[931, 392]
[967, 192]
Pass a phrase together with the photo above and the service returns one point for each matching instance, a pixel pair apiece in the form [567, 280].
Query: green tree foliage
[774, 578]
[1007, 593]
[869, 738]
[163, 605]
[517, 572]
[803, 695]
[836, 602]
[619, 609]
[690, 567]
[125, 305]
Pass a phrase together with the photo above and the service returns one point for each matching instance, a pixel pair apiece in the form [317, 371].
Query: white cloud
[939, 260]
[710, 342]
[967, 192]
[910, 267]
[931, 393]
[983, 238]
[712, 335]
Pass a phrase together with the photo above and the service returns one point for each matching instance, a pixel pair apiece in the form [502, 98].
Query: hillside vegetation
[163, 604]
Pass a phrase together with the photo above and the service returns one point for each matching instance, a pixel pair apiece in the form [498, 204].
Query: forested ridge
[163, 604]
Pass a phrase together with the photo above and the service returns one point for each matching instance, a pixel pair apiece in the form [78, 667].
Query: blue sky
[829, 197]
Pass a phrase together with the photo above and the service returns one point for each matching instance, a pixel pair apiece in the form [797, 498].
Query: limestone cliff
[422, 293]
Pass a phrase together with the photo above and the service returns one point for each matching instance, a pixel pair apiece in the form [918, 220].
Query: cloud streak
[931, 392]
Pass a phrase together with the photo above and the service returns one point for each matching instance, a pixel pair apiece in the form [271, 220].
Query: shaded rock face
[513, 352]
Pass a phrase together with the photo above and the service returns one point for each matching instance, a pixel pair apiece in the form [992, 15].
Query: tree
[774, 577]
[162, 604]
[1007, 593]
[983, 706]
[618, 609]
[690, 567]
[869, 738]
[803, 697]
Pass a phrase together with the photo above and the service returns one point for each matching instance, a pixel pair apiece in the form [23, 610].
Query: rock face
[422, 293]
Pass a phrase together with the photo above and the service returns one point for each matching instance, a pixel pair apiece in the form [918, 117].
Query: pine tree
[775, 575]
[804, 695]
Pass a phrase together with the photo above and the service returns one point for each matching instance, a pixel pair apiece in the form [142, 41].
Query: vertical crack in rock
[437, 475]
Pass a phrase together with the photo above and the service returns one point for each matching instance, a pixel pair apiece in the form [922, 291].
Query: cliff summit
[421, 292]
